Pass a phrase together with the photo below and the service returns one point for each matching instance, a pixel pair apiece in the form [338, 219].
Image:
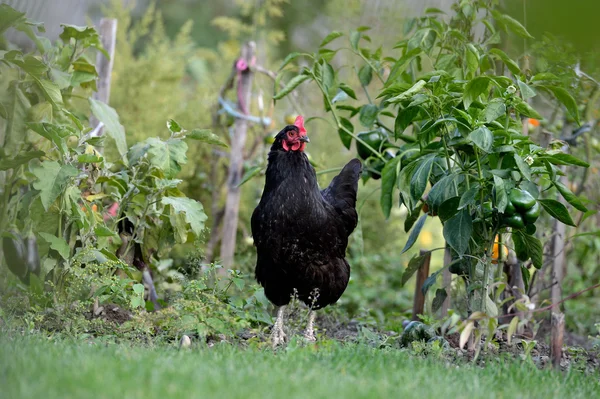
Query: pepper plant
[62, 199]
[439, 117]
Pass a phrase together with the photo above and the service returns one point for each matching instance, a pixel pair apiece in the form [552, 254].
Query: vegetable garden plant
[445, 111]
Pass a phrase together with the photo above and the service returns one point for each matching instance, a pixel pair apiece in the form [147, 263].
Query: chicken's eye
[291, 133]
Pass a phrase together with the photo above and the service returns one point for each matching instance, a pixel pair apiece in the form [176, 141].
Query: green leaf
[414, 233]
[513, 25]
[192, 211]
[413, 265]
[290, 86]
[526, 91]
[58, 244]
[103, 231]
[474, 89]
[344, 136]
[523, 167]
[443, 190]
[557, 210]
[510, 64]
[468, 197]
[365, 75]
[108, 116]
[354, 38]
[89, 158]
[368, 115]
[419, 179]
[494, 110]
[482, 137]
[250, 173]
[408, 93]
[20, 159]
[52, 178]
[404, 119]
[400, 65]
[458, 230]
[566, 99]
[9, 17]
[167, 156]
[438, 301]
[173, 126]
[526, 110]
[472, 58]
[501, 194]
[569, 196]
[330, 37]
[448, 208]
[348, 90]
[567, 159]
[206, 136]
[289, 58]
[389, 176]
[51, 91]
[17, 107]
[526, 247]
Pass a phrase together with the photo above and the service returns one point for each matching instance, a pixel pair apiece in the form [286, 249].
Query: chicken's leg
[309, 333]
[277, 334]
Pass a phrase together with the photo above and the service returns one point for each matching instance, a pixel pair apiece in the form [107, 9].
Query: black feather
[300, 232]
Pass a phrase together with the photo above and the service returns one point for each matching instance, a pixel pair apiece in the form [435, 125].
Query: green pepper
[510, 209]
[530, 229]
[515, 221]
[375, 138]
[13, 246]
[521, 199]
[532, 214]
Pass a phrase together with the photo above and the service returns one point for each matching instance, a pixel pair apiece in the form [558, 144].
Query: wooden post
[108, 36]
[556, 344]
[236, 159]
[558, 250]
[447, 279]
[422, 274]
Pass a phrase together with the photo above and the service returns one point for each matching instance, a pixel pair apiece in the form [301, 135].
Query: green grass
[39, 368]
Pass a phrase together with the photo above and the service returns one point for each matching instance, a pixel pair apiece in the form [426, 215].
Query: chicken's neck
[293, 168]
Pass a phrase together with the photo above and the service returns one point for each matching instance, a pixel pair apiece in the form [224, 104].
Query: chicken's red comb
[299, 123]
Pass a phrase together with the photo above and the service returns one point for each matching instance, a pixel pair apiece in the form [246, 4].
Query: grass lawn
[37, 368]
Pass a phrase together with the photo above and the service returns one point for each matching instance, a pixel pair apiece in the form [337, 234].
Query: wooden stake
[236, 160]
[447, 278]
[558, 331]
[422, 274]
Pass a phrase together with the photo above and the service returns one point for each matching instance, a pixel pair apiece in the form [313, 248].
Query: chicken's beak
[304, 139]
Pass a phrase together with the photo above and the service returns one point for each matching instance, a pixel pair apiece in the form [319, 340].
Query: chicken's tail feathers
[341, 193]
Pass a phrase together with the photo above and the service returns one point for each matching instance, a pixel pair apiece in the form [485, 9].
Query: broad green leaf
[250, 173]
[108, 116]
[438, 301]
[16, 111]
[526, 91]
[494, 110]
[413, 265]
[417, 87]
[512, 329]
[330, 37]
[365, 75]
[20, 159]
[51, 91]
[449, 208]
[389, 176]
[400, 65]
[501, 194]
[483, 138]
[472, 58]
[289, 58]
[513, 25]
[523, 167]
[173, 126]
[443, 190]
[404, 119]
[526, 110]
[344, 136]
[9, 17]
[167, 156]
[192, 210]
[569, 196]
[557, 210]
[474, 89]
[567, 159]
[58, 244]
[414, 233]
[348, 90]
[206, 136]
[52, 178]
[526, 247]
[457, 231]
[566, 99]
[468, 197]
[103, 231]
[510, 64]
[290, 86]
[420, 178]
[354, 39]
[368, 115]
[89, 158]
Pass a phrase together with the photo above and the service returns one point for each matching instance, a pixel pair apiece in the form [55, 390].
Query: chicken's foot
[278, 336]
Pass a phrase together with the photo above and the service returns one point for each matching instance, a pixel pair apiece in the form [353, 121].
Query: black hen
[300, 232]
